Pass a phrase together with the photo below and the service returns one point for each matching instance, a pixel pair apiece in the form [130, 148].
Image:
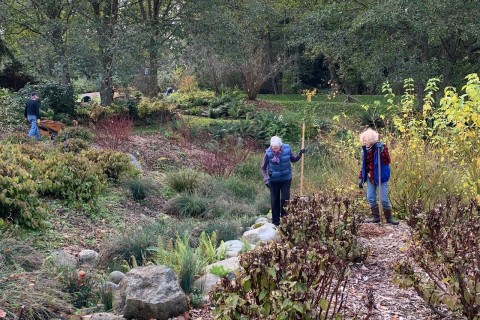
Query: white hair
[369, 136]
[275, 141]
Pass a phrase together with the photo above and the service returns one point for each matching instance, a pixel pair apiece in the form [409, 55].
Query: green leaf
[262, 295]
[323, 304]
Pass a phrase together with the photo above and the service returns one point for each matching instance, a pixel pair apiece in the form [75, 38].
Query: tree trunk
[106, 32]
[153, 89]
[106, 86]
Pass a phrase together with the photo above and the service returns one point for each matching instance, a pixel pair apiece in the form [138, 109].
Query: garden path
[371, 281]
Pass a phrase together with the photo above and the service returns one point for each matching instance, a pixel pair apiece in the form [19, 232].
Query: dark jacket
[379, 147]
[32, 108]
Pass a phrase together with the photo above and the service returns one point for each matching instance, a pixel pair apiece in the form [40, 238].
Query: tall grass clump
[183, 181]
[240, 188]
[140, 187]
[188, 205]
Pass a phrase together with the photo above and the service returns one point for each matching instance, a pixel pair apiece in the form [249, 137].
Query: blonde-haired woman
[372, 148]
[277, 175]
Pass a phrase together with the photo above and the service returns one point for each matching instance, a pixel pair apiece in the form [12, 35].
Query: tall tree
[240, 34]
[44, 26]
[105, 18]
[161, 19]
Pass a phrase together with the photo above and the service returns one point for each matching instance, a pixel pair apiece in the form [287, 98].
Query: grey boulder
[150, 292]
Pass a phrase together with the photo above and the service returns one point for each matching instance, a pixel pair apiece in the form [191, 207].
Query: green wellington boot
[375, 215]
[388, 217]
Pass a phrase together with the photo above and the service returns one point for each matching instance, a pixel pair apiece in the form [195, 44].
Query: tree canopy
[261, 45]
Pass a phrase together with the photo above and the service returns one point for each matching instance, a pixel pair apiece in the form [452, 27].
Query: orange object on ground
[50, 128]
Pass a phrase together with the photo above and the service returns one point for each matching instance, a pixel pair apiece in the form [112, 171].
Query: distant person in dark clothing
[169, 91]
[32, 113]
[86, 99]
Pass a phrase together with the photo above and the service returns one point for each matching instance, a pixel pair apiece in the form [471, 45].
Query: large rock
[229, 264]
[105, 316]
[206, 283]
[265, 233]
[88, 257]
[135, 162]
[64, 259]
[150, 292]
[261, 219]
[234, 247]
[116, 277]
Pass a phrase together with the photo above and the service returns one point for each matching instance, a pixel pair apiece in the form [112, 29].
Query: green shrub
[75, 133]
[154, 108]
[11, 113]
[74, 145]
[82, 290]
[226, 229]
[59, 98]
[19, 138]
[268, 124]
[134, 241]
[275, 281]
[73, 178]
[196, 298]
[183, 180]
[191, 98]
[114, 164]
[83, 84]
[19, 203]
[240, 188]
[219, 270]
[187, 205]
[250, 169]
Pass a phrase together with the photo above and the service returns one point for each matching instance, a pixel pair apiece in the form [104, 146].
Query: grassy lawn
[326, 107]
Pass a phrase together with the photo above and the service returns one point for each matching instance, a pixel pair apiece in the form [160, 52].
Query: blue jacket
[385, 168]
[280, 171]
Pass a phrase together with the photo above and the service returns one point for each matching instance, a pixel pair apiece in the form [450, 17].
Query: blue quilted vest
[385, 168]
[280, 171]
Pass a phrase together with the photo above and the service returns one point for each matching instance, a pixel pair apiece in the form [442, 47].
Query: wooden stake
[303, 157]
[379, 187]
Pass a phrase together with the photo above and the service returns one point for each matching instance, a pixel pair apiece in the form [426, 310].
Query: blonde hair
[275, 142]
[369, 137]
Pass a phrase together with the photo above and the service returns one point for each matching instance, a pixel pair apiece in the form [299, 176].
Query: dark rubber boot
[375, 215]
[388, 217]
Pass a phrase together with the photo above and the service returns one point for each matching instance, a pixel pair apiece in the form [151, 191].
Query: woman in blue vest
[369, 174]
[277, 175]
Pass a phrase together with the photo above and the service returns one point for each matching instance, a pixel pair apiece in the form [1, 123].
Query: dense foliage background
[262, 46]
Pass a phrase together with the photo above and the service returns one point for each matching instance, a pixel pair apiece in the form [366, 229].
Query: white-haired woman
[372, 148]
[277, 175]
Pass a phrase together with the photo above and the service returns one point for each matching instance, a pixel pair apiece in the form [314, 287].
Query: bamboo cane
[301, 168]
[379, 187]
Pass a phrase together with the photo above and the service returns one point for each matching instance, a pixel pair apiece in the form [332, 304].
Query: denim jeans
[34, 129]
[372, 194]
[279, 194]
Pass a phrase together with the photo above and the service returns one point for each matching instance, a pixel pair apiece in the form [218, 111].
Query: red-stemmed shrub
[113, 133]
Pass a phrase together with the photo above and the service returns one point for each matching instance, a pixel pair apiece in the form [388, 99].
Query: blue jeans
[34, 129]
[372, 194]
